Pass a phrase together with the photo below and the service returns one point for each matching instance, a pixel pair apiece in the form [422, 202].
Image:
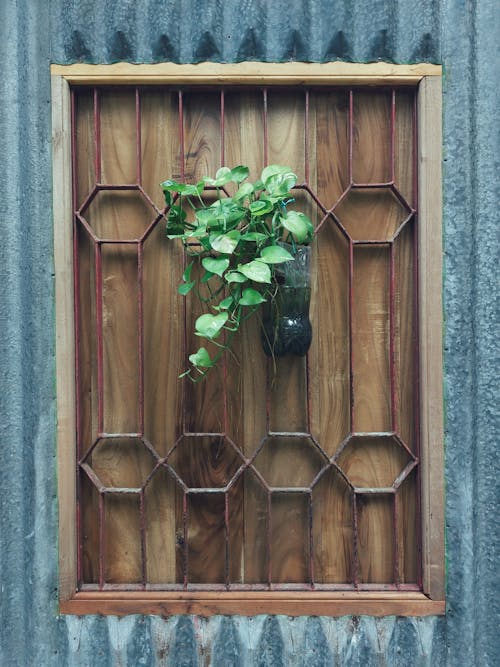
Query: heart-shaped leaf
[201, 358]
[251, 297]
[209, 326]
[275, 254]
[256, 270]
[187, 272]
[225, 303]
[239, 173]
[185, 288]
[235, 277]
[217, 266]
[225, 243]
[244, 191]
[261, 207]
[299, 225]
[254, 236]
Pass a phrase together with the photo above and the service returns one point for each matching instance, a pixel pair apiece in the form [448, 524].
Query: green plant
[236, 240]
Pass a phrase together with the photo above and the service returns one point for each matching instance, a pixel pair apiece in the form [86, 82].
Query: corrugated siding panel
[460, 35]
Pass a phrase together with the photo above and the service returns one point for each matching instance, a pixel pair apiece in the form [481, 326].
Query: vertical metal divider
[224, 365]
[102, 540]
[355, 555]
[76, 315]
[307, 365]
[182, 166]
[416, 346]
[97, 136]
[140, 333]
[396, 546]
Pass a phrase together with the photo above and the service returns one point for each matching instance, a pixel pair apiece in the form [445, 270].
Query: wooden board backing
[197, 133]
[248, 73]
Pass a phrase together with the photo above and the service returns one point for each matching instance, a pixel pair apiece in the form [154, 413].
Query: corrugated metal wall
[464, 36]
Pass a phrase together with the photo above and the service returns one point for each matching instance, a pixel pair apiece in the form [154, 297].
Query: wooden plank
[375, 539]
[370, 341]
[163, 330]
[252, 73]
[293, 605]
[430, 326]
[65, 335]
[371, 146]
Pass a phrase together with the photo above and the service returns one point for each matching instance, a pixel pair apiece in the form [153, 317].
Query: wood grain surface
[234, 539]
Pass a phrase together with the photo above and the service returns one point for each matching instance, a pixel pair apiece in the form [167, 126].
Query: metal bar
[101, 540]
[269, 540]
[372, 186]
[311, 539]
[185, 538]
[416, 348]
[140, 333]
[392, 352]
[264, 120]
[222, 129]
[97, 136]
[226, 526]
[351, 309]
[306, 137]
[396, 548]
[138, 137]
[355, 554]
[350, 131]
[364, 242]
[76, 315]
[142, 519]
[99, 323]
[393, 134]
[182, 157]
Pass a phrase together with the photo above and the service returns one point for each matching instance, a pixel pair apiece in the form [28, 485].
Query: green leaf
[278, 180]
[168, 197]
[201, 359]
[235, 277]
[256, 270]
[222, 177]
[254, 236]
[225, 303]
[261, 206]
[251, 297]
[185, 288]
[217, 266]
[175, 222]
[187, 272]
[206, 216]
[225, 243]
[275, 254]
[299, 224]
[209, 326]
[170, 186]
[244, 191]
[206, 277]
[239, 173]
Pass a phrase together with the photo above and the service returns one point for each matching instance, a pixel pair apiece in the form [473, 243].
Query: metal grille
[239, 462]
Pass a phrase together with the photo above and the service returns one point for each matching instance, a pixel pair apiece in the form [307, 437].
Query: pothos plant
[239, 242]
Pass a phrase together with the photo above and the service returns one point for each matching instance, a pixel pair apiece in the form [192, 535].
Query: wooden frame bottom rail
[252, 604]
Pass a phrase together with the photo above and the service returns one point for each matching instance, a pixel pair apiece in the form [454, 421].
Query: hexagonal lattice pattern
[118, 214]
[120, 462]
[373, 461]
[286, 461]
[371, 214]
[204, 462]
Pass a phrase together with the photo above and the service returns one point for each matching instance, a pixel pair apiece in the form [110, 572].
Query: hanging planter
[286, 327]
[245, 253]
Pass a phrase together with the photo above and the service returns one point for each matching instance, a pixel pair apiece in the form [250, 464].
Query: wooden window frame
[431, 600]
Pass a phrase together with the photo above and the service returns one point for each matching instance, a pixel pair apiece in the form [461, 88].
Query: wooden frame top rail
[248, 73]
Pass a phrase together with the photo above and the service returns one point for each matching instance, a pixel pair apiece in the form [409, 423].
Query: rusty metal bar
[269, 540]
[392, 352]
[264, 121]
[142, 522]
[226, 536]
[222, 129]
[306, 137]
[101, 541]
[138, 142]
[185, 553]
[350, 132]
[97, 136]
[396, 546]
[99, 323]
[393, 134]
[140, 333]
[355, 541]
[351, 310]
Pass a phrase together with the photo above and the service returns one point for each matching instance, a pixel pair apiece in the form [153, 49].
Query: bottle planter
[286, 327]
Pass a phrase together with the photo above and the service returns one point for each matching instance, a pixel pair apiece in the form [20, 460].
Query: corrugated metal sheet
[463, 36]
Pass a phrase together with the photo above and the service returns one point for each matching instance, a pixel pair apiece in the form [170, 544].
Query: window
[309, 486]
